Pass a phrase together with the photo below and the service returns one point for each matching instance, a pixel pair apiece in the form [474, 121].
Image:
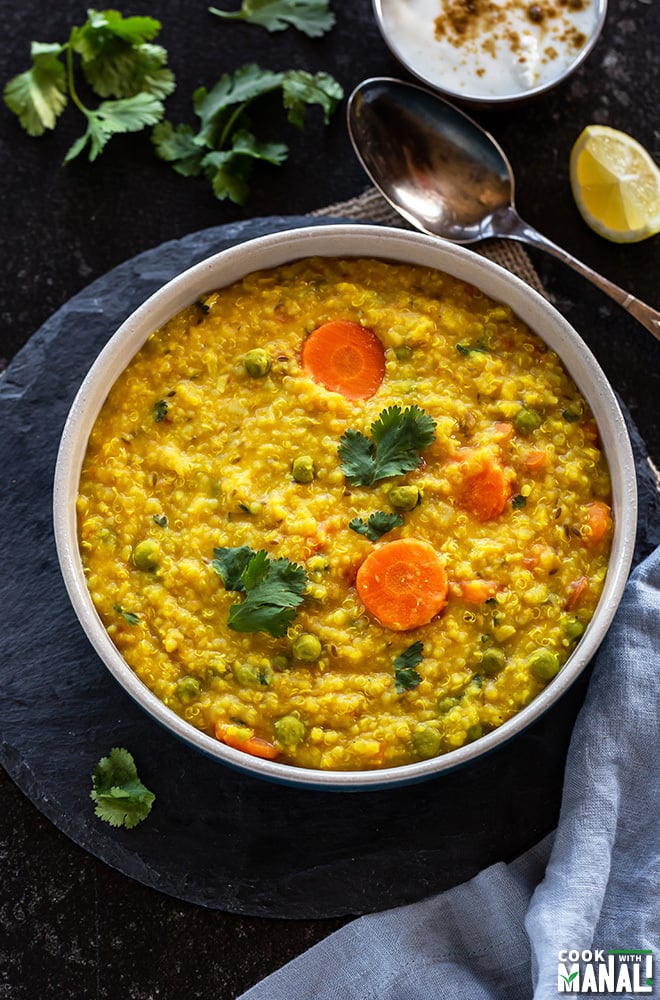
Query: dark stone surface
[73, 926]
[217, 838]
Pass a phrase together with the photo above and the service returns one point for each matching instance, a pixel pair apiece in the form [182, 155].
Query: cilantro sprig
[121, 798]
[273, 589]
[312, 17]
[398, 437]
[224, 148]
[406, 678]
[377, 525]
[117, 59]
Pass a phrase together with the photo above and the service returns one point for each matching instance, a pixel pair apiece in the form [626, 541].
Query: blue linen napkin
[590, 887]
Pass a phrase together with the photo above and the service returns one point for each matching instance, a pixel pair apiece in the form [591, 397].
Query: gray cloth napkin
[593, 886]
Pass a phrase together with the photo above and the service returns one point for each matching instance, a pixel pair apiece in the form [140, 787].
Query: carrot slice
[535, 460]
[241, 738]
[345, 357]
[403, 583]
[575, 592]
[477, 591]
[503, 430]
[598, 520]
[485, 491]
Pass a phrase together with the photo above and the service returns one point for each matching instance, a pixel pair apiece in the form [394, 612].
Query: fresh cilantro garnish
[398, 438]
[39, 95]
[377, 525]
[131, 114]
[229, 564]
[224, 148]
[570, 417]
[273, 589]
[121, 798]
[117, 59]
[160, 520]
[160, 410]
[129, 616]
[518, 502]
[312, 17]
[405, 676]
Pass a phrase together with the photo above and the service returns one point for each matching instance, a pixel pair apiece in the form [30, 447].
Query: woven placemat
[370, 205]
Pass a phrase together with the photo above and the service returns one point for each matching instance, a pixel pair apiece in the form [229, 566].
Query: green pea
[403, 352]
[302, 469]
[250, 675]
[574, 629]
[280, 663]
[188, 688]
[257, 362]
[307, 647]
[544, 664]
[527, 421]
[474, 732]
[146, 554]
[492, 661]
[426, 741]
[404, 497]
[446, 704]
[290, 730]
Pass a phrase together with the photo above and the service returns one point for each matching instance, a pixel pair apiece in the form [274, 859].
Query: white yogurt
[490, 48]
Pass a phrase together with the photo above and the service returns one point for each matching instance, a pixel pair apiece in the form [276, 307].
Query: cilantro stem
[227, 130]
[70, 78]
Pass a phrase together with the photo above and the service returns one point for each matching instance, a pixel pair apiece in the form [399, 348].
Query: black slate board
[217, 837]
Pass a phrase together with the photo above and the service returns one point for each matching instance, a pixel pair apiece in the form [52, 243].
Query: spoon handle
[517, 229]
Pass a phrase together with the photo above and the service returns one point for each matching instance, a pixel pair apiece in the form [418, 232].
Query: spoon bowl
[448, 177]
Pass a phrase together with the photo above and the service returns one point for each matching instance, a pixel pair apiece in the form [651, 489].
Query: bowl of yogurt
[490, 52]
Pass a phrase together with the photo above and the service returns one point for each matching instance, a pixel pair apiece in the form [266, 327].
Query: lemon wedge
[615, 184]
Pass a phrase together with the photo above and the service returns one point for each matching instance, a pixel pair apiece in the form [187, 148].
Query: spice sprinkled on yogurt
[489, 48]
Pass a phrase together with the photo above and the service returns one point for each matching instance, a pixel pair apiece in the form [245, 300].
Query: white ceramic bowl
[351, 241]
[481, 65]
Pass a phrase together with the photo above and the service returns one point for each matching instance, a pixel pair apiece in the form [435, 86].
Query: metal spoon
[448, 177]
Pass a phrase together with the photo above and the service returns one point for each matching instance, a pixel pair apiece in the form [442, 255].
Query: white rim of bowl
[489, 99]
[344, 240]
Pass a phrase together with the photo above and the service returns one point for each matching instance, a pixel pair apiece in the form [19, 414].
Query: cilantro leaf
[377, 525]
[518, 502]
[129, 114]
[312, 17]
[245, 144]
[273, 590]
[103, 26]
[467, 349]
[406, 678]
[356, 457]
[247, 83]
[121, 798]
[229, 170]
[129, 616]
[300, 89]
[178, 147]
[229, 175]
[229, 564]
[38, 96]
[398, 438]
[224, 148]
[116, 59]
